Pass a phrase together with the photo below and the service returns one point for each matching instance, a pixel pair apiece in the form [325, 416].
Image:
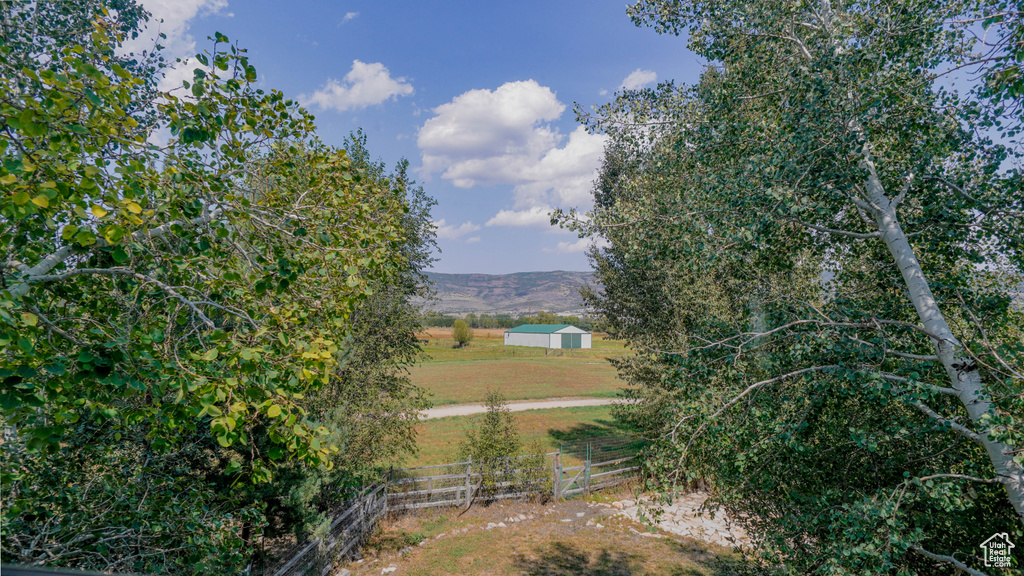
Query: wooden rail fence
[458, 484]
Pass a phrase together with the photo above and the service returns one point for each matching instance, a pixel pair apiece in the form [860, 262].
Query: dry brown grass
[544, 545]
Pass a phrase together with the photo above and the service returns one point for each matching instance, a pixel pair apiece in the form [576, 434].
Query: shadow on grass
[587, 430]
[561, 559]
[564, 559]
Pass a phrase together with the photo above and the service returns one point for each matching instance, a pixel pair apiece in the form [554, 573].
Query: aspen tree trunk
[963, 372]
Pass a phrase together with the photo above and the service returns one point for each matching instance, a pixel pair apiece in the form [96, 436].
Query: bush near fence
[605, 462]
[595, 463]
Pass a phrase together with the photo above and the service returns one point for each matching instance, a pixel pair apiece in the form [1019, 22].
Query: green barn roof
[538, 328]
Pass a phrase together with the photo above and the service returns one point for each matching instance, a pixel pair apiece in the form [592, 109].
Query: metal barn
[548, 336]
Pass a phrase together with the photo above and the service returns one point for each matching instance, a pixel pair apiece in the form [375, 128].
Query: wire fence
[594, 464]
[354, 523]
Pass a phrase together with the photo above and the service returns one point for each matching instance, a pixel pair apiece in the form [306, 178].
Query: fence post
[469, 470]
[556, 471]
[586, 473]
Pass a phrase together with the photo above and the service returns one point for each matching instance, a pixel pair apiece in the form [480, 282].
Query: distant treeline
[507, 321]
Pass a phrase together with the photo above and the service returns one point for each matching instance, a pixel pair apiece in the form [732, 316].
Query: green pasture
[464, 375]
[439, 439]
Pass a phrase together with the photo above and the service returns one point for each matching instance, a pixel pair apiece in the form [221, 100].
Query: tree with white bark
[817, 252]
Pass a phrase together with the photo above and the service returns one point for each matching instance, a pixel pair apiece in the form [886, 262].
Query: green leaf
[56, 368]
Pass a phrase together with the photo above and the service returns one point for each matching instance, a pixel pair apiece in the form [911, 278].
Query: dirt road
[467, 409]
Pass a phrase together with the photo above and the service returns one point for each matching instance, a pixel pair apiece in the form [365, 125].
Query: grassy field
[439, 439]
[464, 375]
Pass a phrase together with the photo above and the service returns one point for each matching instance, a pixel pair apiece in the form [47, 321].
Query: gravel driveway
[467, 409]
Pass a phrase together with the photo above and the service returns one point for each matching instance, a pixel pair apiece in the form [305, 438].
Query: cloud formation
[578, 246]
[173, 19]
[637, 79]
[364, 85]
[447, 231]
[349, 16]
[504, 136]
[536, 216]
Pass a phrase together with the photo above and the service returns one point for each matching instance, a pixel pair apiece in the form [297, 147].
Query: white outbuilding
[548, 336]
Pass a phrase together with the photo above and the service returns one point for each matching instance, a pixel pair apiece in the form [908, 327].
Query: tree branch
[125, 272]
[932, 387]
[52, 327]
[740, 396]
[962, 477]
[985, 208]
[875, 234]
[958, 428]
[19, 289]
[887, 351]
[948, 560]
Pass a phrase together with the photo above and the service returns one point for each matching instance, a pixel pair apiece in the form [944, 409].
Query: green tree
[493, 442]
[815, 258]
[170, 315]
[462, 333]
[370, 406]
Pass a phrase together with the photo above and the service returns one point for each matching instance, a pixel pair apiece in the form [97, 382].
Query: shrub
[462, 333]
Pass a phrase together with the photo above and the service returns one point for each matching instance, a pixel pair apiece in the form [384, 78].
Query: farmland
[464, 375]
[439, 439]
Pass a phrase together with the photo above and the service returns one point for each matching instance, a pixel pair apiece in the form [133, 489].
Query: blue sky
[478, 96]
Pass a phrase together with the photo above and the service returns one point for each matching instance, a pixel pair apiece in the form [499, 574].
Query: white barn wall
[551, 340]
[523, 339]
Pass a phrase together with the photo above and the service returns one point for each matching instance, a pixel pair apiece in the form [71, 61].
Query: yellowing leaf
[29, 319]
[134, 208]
[211, 354]
[99, 211]
[8, 179]
[21, 198]
[274, 411]
[41, 201]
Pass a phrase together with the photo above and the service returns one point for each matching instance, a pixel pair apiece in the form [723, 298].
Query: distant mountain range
[514, 294]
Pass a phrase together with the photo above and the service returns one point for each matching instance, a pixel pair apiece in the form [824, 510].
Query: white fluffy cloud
[447, 231]
[580, 245]
[504, 136]
[536, 216]
[173, 19]
[638, 79]
[364, 85]
[349, 16]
